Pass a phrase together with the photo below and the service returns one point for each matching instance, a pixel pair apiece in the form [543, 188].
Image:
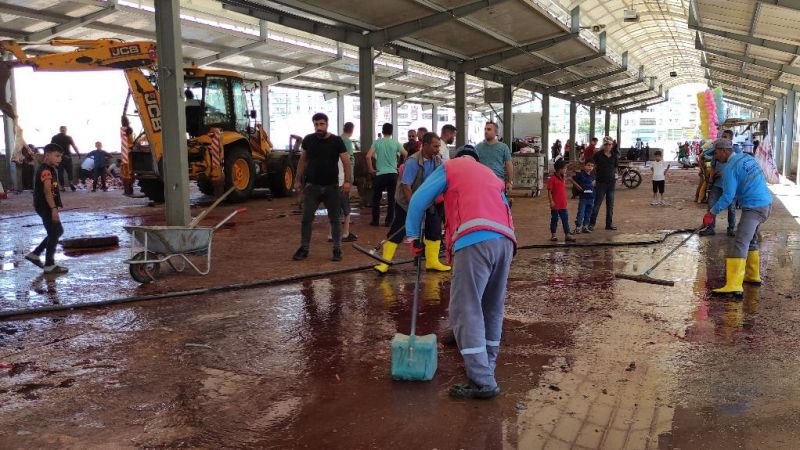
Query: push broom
[373, 252]
[646, 278]
[414, 358]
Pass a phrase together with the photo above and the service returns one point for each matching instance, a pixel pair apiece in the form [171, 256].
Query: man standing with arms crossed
[385, 151]
[481, 244]
[605, 163]
[496, 155]
[321, 152]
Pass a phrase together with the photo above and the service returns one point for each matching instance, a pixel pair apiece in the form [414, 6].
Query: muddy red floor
[587, 360]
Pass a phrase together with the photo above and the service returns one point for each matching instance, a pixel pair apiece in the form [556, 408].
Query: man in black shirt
[46, 201]
[65, 142]
[605, 163]
[319, 163]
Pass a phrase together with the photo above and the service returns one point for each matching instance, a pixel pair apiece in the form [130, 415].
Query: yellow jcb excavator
[227, 147]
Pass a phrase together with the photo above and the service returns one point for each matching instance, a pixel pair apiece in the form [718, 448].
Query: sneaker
[337, 254]
[55, 268]
[586, 230]
[473, 391]
[590, 228]
[654, 202]
[350, 238]
[611, 227]
[300, 254]
[34, 258]
[731, 232]
[576, 230]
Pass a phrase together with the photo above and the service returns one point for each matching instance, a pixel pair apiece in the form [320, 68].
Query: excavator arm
[96, 55]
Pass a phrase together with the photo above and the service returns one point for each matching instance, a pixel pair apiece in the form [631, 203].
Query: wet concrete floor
[587, 360]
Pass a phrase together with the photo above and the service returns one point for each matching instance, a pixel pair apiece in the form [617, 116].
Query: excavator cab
[214, 98]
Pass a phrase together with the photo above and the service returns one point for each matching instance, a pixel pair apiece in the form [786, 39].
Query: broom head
[645, 279]
[414, 358]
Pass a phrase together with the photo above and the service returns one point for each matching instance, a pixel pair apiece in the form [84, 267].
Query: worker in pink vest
[480, 240]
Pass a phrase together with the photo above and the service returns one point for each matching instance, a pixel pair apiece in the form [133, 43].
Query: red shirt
[558, 191]
[589, 152]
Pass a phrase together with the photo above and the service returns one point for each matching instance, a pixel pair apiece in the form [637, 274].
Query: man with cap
[480, 243]
[743, 180]
[605, 163]
[715, 191]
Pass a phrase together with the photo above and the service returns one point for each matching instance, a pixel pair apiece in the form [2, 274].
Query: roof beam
[588, 95]
[76, 22]
[576, 83]
[495, 58]
[743, 96]
[791, 4]
[767, 81]
[382, 37]
[378, 81]
[610, 101]
[623, 106]
[263, 38]
[745, 105]
[422, 92]
[300, 72]
[785, 68]
[640, 107]
[747, 101]
[730, 85]
[694, 24]
[550, 68]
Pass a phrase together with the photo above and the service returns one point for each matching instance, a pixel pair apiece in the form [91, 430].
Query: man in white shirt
[448, 137]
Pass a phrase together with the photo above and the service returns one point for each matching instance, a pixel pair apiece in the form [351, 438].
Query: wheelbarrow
[173, 245]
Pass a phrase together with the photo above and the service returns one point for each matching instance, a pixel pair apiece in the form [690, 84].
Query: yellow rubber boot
[432, 257]
[752, 270]
[734, 270]
[389, 248]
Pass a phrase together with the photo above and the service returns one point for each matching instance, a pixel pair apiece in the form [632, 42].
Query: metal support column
[395, 108]
[340, 119]
[592, 120]
[8, 130]
[366, 95]
[789, 123]
[546, 127]
[607, 123]
[777, 136]
[619, 130]
[573, 129]
[173, 119]
[771, 124]
[461, 109]
[508, 114]
[264, 92]
[435, 118]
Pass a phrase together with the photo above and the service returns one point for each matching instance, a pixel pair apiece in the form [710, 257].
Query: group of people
[429, 196]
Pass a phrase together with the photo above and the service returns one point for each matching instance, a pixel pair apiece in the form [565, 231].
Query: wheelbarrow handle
[229, 217]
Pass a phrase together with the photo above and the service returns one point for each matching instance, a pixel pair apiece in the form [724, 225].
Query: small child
[557, 193]
[660, 169]
[46, 201]
[584, 183]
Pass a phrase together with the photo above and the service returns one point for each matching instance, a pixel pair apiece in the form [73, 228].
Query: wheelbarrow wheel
[144, 272]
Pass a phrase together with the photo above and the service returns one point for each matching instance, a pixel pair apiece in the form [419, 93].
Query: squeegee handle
[417, 284]
[658, 263]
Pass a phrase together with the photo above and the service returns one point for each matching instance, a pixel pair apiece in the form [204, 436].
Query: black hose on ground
[19, 313]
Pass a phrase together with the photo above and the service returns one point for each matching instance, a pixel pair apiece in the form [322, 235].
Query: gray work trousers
[747, 233]
[477, 298]
[313, 194]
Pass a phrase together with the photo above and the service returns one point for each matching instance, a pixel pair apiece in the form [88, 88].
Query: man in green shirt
[496, 155]
[385, 151]
[347, 133]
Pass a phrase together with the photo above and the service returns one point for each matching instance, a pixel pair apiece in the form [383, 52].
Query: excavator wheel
[281, 181]
[153, 189]
[239, 173]
[205, 186]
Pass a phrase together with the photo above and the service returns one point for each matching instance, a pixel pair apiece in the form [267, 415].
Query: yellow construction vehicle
[227, 147]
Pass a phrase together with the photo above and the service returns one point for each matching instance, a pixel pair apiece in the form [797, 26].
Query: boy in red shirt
[557, 193]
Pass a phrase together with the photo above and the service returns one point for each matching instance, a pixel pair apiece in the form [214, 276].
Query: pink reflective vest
[473, 202]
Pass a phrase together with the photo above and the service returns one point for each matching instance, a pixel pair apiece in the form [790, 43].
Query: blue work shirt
[411, 168]
[494, 156]
[435, 185]
[743, 180]
[719, 168]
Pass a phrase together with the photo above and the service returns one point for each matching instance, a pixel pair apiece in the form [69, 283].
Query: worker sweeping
[417, 168]
[744, 181]
[480, 241]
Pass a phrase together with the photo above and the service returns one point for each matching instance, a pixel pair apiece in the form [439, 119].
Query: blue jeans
[554, 215]
[713, 195]
[604, 191]
[585, 208]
